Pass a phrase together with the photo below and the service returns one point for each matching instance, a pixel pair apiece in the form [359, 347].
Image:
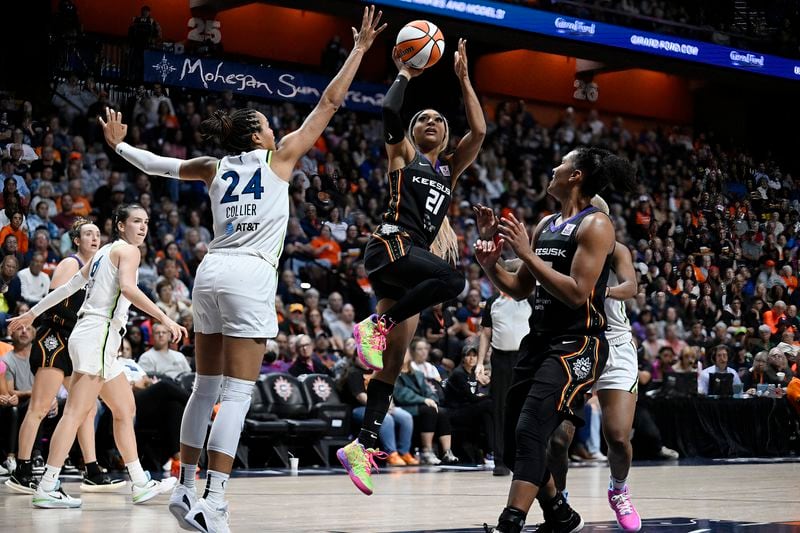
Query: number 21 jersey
[250, 204]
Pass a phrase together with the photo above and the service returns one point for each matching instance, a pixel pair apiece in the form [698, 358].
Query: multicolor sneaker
[54, 499]
[370, 336]
[627, 517]
[359, 462]
[151, 489]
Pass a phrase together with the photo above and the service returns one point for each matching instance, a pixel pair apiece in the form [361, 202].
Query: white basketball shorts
[622, 369]
[234, 294]
[94, 347]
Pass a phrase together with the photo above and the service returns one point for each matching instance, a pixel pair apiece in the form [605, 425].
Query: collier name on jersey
[241, 210]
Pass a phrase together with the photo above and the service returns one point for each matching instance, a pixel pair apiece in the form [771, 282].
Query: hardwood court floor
[441, 501]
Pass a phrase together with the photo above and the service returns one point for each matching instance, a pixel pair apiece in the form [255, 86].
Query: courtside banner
[264, 82]
[562, 26]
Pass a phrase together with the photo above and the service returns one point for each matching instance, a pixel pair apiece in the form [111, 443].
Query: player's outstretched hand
[114, 129]
[460, 60]
[369, 28]
[515, 234]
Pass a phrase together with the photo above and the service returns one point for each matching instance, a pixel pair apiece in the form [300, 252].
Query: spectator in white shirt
[419, 359]
[343, 328]
[160, 360]
[720, 366]
[35, 284]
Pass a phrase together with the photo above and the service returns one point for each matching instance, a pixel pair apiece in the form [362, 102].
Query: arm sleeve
[486, 319]
[393, 131]
[68, 289]
[150, 163]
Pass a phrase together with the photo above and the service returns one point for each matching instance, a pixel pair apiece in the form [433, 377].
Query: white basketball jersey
[616, 314]
[250, 204]
[103, 295]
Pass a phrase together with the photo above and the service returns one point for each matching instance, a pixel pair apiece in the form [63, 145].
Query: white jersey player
[234, 291]
[93, 348]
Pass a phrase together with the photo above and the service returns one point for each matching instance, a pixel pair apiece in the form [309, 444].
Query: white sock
[136, 472]
[49, 480]
[616, 484]
[187, 475]
[215, 488]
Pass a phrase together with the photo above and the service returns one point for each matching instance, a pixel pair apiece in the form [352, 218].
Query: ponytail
[445, 245]
[601, 168]
[232, 131]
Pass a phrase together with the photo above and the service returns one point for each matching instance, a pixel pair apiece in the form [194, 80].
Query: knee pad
[197, 414]
[227, 427]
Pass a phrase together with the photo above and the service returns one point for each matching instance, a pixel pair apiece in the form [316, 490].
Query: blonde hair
[445, 245]
[600, 204]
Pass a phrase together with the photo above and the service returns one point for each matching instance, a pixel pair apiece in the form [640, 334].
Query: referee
[504, 324]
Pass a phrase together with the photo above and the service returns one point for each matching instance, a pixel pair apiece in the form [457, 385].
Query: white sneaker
[429, 458]
[151, 489]
[668, 453]
[180, 503]
[55, 499]
[203, 518]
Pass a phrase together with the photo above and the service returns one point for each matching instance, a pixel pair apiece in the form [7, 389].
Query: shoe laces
[382, 327]
[622, 503]
[367, 459]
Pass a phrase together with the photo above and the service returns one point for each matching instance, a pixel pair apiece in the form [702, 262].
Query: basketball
[420, 44]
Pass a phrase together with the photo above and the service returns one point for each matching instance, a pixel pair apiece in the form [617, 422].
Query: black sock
[379, 396]
[24, 466]
[93, 469]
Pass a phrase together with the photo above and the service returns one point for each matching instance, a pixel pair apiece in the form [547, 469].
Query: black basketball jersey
[419, 198]
[556, 245]
[64, 314]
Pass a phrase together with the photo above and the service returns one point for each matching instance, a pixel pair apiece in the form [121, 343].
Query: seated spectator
[66, 215]
[415, 395]
[19, 383]
[160, 360]
[469, 315]
[170, 275]
[663, 363]
[789, 279]
[15, 229]
[777, 363]
[81, 206]
[719, 358]
[273, 361]
[42, 245]
[352, 246]
[296, 324]
[396, 430]
[652, 343]
[337, 225]
[10, 288]
[325, 249]
[772, 316]
[687, 361]
[768, 277]
[173, 308]
[331, 312]
[420, 349]
[34, 284]
[756, 375]
[763, 342]
[173, 251]
[41, 220]
[307, 361]
[466, 397]
[342, 328]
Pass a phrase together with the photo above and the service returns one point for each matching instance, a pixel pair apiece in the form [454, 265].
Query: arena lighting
[565, 27]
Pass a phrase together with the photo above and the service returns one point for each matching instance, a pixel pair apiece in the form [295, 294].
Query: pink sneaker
[627, 517]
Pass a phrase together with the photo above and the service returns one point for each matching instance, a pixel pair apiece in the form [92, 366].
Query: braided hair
[232, 131]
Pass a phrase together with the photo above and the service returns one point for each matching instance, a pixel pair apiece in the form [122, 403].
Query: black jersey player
[567, 263]
[406, 276]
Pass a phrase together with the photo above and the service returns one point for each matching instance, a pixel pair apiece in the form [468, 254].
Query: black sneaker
[69, 468]
[22, 482]
[501, 470]
[101, 482]
[38, 463]
[559, 517]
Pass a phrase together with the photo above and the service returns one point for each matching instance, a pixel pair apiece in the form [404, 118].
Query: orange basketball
[420, 44]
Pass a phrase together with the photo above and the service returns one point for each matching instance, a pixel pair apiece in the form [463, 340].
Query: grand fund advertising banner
[262, 82]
